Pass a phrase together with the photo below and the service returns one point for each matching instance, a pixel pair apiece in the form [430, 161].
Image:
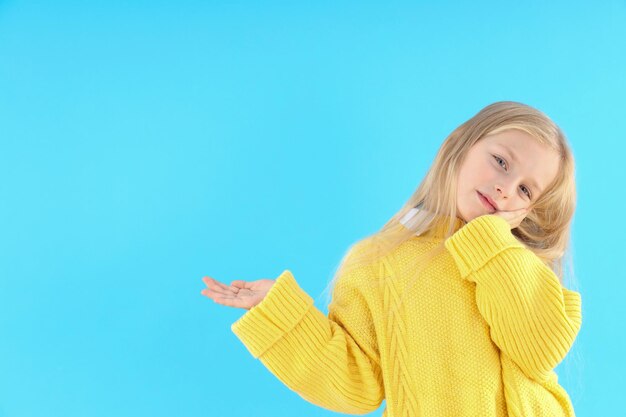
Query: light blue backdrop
[147, 144]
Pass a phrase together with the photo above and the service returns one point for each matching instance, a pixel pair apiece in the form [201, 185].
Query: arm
[532, 318]
[329, 361]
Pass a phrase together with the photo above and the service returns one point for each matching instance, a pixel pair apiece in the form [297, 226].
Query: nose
[504, 190]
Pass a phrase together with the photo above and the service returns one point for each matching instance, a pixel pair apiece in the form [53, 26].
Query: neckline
[440, 226]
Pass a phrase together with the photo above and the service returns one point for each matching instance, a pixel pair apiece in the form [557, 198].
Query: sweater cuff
[281, 310]
[479, 240]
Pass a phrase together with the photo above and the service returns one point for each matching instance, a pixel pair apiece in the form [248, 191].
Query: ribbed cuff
[478, 241]
[573, 303]
[283, 307]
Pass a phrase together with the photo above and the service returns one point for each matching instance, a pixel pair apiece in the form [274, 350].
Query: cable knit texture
[478, 333]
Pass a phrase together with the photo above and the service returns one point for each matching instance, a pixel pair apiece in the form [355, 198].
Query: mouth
[487, 202]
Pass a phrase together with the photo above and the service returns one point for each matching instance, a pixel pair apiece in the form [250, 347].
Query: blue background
[147, 144]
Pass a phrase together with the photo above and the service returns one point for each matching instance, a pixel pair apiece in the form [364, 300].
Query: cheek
[462, 182]
[475, 176]
[486, 173]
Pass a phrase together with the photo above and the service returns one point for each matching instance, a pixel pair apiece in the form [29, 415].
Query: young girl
[456, 306]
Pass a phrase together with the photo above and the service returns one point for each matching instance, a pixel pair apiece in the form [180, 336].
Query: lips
[488, 202]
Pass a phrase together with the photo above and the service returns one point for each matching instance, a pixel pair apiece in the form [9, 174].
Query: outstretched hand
[240, 294]
[513, 217]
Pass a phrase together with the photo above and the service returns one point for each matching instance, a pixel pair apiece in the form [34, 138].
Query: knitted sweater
[478, 334]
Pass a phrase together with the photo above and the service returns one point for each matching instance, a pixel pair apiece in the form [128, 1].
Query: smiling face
[510, 168]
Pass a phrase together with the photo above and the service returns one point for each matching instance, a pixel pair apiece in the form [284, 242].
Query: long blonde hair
[546, 228]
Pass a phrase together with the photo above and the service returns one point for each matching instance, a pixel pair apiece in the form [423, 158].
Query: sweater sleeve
[331, 361]
[532, 318]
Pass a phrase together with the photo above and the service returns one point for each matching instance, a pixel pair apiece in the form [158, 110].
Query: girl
[456, 306]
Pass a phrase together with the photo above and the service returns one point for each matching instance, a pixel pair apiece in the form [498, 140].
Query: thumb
[238, 283]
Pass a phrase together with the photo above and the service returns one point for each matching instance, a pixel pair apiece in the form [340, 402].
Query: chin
[462, 216]
[469, 219]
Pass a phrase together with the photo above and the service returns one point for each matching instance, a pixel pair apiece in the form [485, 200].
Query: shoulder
[363, 266]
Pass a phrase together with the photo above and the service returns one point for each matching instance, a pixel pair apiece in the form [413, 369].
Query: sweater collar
[440, 226]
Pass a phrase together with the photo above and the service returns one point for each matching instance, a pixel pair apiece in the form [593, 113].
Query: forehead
[522, 147]
[513, 138]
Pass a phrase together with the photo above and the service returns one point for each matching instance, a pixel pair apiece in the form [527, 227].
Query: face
[510, 168]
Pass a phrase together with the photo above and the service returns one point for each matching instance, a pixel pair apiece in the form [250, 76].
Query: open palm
[240, 294]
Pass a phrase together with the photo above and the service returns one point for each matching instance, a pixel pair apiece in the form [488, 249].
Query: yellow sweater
[479, 335]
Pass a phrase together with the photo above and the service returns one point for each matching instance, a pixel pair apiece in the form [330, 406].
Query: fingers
[214, 287]
[227, 295]
[514, 217]
[232, 302]
[227, 300]
[219, 287]
[215, 294]
[239, 284]
[221, 293]
[516, 211]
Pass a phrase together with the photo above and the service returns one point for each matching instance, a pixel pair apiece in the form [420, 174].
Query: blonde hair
[546, 228]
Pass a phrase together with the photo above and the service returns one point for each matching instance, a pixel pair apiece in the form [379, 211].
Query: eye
[498, 159]
[528, 191]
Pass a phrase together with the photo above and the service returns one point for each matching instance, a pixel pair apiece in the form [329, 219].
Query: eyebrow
[514, 159]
